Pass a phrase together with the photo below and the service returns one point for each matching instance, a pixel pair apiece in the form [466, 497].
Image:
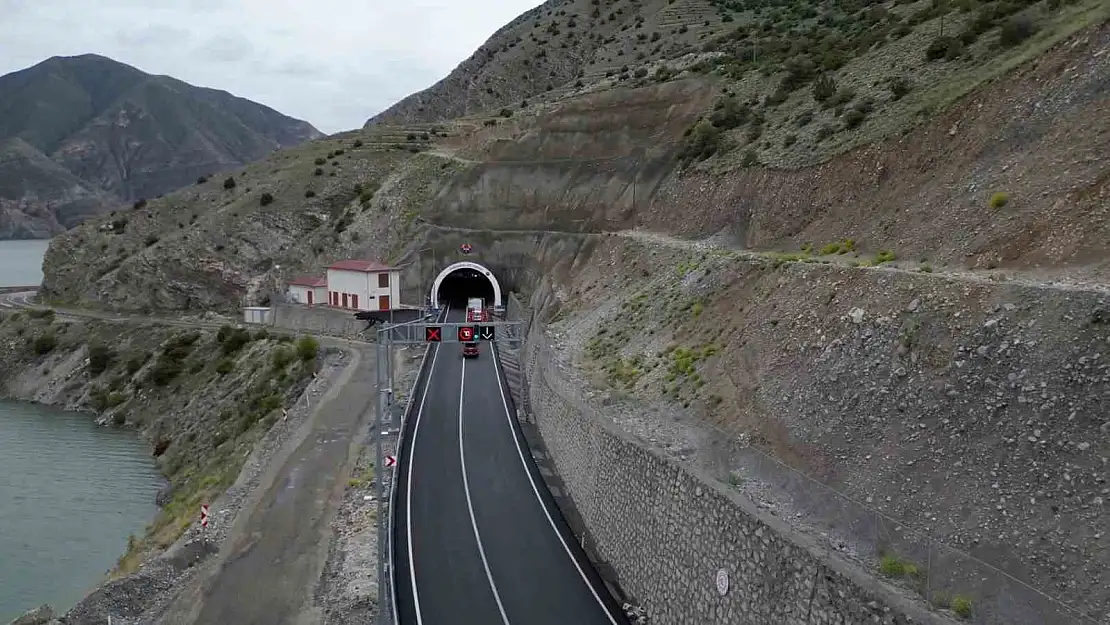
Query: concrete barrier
[320, 320]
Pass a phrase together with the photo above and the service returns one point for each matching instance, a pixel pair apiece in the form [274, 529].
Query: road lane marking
[408, 487]
[536, 490]
[470, 504]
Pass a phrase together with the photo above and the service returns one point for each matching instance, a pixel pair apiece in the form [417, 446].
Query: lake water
[21, 262]
[70, 492]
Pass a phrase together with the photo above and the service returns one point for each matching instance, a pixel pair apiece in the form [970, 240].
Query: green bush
[45, 343]
[1000, 199]
[100, 358]
[1016, 30]
[307, 348]
[962, 606]
[266, 199]
[318, 172]
[229, 183]
[225, 366]
[320, 160]
[281, 357]
[232, 339]
[164, 371]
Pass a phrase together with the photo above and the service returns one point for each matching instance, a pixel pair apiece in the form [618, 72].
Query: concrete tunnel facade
[466, 264]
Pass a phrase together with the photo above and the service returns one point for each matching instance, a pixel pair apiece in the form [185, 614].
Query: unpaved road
[268, 567]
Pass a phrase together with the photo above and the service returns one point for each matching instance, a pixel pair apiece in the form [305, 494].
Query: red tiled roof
[366, 266]
[309, 281]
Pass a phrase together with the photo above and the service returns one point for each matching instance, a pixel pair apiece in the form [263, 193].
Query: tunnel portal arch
[466, 264]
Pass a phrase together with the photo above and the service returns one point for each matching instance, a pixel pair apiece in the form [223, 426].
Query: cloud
[333, 63]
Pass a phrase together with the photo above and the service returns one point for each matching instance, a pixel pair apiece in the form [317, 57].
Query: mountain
[84, 135]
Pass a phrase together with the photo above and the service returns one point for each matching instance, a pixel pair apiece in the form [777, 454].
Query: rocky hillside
[80, 136]
[201, 398]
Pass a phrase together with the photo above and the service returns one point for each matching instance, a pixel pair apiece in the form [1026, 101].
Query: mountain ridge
[122, 134]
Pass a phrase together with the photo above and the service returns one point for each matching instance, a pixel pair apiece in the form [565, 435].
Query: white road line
[536, 490]
[408, 487]
[470, 504]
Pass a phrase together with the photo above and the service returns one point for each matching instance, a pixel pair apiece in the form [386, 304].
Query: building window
[383, 280]
[346, 300]
[354, 301]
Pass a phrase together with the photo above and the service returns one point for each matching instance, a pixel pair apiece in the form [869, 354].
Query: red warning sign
[466, 334]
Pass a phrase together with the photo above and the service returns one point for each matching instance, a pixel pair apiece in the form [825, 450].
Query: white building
[363, 285]
[309, 290]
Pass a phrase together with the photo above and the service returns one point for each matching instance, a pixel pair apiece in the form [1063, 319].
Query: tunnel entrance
[461, 281]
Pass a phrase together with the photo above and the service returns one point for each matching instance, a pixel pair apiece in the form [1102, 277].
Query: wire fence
[903, 553]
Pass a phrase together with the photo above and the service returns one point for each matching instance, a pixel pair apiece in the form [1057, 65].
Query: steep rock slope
[121, 135]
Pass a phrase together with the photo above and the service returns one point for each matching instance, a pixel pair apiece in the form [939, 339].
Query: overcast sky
[333, 63]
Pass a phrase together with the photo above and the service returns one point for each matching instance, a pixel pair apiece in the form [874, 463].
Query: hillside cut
[83, 135]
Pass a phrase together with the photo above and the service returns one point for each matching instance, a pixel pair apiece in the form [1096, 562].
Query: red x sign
[391, 461]
[432, 334]
[466, 334]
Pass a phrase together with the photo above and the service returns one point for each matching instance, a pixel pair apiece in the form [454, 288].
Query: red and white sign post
[204, 516]
[390, 461]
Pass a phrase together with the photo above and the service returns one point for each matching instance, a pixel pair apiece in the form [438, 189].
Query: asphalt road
[478, 539]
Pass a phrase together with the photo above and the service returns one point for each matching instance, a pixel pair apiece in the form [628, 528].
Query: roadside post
[420, 331]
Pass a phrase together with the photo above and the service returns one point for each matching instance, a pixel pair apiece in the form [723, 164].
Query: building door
[310, 302]
[354, 301]
[346, 300]
[383, 302]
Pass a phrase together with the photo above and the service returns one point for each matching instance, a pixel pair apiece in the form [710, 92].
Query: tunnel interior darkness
[463, 284]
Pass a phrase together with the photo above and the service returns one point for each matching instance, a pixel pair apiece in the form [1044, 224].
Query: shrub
[307, 348]
[45, 343]
[310, 193]
[136, 362]
[150, 240]
[1016, 30]
[225, 366]
[824, 88]
[164, 371]
[233, 339]
[100, 358]
[281, 357]
[139, 204]
[703, 141]
[899, 87]
[357, 143]
[318, 172]
[1000, 199]
[506, 113]
[320, 160]
[202, 180]
[266, 199]
[229, 183]
[853, 118]
[947, 48]
[962, 606]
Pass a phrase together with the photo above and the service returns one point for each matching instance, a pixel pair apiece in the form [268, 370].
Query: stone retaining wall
[319, 320]
[666, 531]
